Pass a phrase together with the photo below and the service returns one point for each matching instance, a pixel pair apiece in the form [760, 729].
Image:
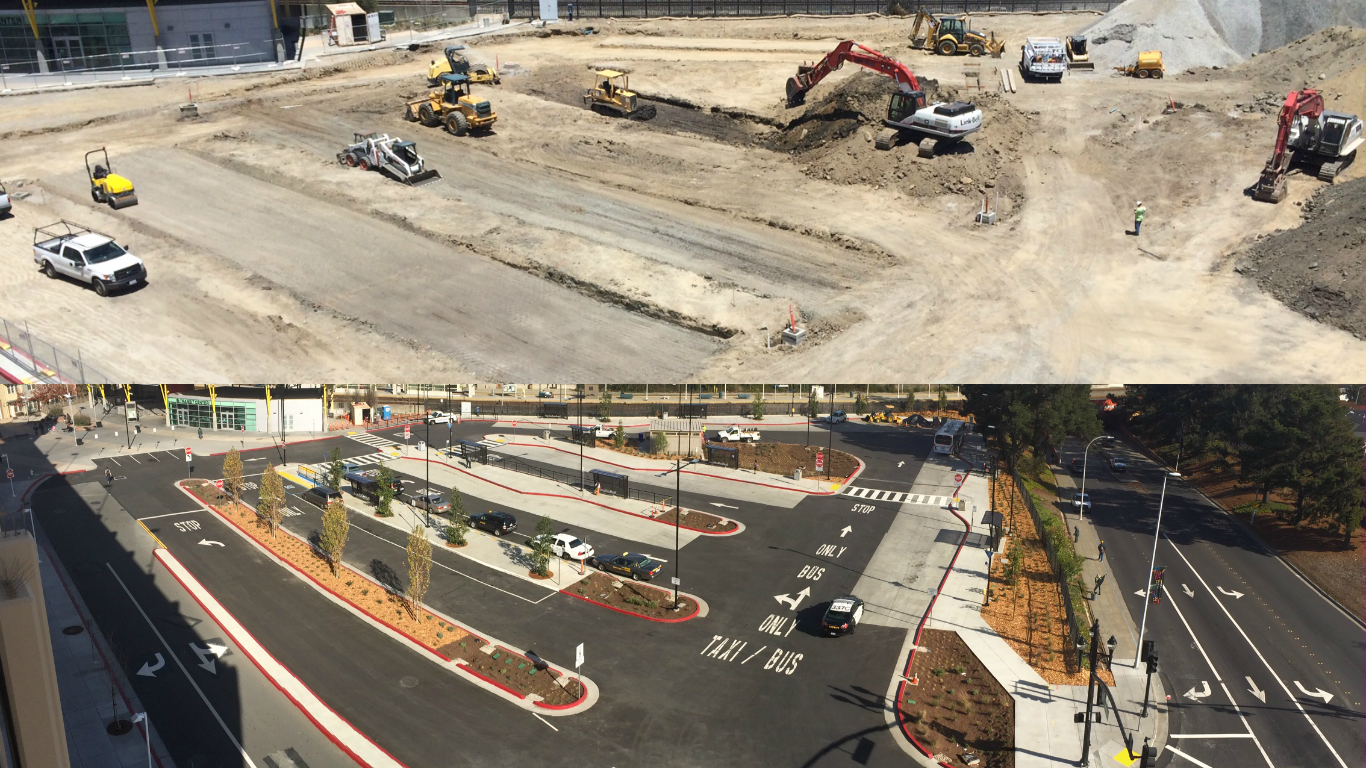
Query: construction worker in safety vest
[1139, 213]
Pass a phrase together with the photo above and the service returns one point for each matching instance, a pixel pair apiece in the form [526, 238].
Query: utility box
[794, 336]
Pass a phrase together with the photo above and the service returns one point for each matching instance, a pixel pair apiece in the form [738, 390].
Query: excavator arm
[809, 75]
[1271, 186]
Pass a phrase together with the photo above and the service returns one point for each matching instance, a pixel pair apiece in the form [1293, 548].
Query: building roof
[256, 393]
[345, 9]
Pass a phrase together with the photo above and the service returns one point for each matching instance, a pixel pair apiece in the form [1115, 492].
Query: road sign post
[578, 663]
[820, 461]
[189, 457]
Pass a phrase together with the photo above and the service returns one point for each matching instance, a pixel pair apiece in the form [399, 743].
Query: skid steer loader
[107, 186]
[611, 94]
[394, 157]
[454, 107]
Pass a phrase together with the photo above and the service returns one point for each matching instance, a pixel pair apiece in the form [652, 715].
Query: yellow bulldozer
[952, 35]
[1149, 66]
[456, 63]
[107, 186]
[453, 106]
[611, 94]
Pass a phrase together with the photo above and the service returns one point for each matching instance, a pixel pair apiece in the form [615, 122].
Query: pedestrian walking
[1076, 534]
[1100, 548]
[1139, 213]
[571, 11]
[108, 477]
[1099, 581]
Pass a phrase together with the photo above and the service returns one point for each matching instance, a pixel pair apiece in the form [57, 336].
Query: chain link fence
[44, 361]
[698, 8]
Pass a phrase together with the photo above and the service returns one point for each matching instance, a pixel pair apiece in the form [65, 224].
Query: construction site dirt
[566, 244]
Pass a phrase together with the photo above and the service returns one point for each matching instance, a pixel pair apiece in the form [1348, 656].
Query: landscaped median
[956, 710]
[497, 666]
[653, 603]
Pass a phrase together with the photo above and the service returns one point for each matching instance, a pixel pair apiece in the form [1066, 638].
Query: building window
[201, 46]
[289, 422]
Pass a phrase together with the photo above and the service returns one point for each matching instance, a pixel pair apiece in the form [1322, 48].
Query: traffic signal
[1148, 758]
[1152, 662]
[1147, 650]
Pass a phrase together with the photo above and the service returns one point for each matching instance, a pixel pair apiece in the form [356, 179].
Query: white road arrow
[846, 530]
[214, 650]
[149, 669]
[1140, 593]
[1234, 595]
[1187, 590]
[1317, 693]
[793, 601]
[718, 504]
[208, 543]
[901, 463]
[1197, 696]
[1255, 691]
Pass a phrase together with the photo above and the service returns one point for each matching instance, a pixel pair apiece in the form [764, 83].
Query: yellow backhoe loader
[952, 35]
[452, 106]
[457, 64]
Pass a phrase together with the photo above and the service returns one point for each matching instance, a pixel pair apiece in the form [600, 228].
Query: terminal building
[75, 35]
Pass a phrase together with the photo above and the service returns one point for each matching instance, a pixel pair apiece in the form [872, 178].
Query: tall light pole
[580, 395]
[830, 451]
[427, 455]
[1085, 457]
[1152, 563]
[678, 515]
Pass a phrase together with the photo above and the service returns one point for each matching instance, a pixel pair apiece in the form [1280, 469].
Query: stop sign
[188, 453]
[407, 432]
[9, 473]
[218, 484]
[820, 461]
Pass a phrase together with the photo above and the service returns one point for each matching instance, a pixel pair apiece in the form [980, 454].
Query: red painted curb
[330, 736]
[637, 615]
[490, 681]
[573, 498]
[308, 576]
[847, 480]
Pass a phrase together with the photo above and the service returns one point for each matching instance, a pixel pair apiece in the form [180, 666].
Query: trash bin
[421, 446]
[545, 435]
[797, 473]
[80, 441]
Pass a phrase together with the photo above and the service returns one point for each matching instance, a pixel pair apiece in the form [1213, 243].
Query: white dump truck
[70, 250]
[737, 435]
[1043, 58]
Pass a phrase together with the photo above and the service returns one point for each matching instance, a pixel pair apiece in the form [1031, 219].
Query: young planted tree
[605, 407]
[460, 521]
[384, 504]
[540, 546]
[336, 529]
[335, 470]
[860, 405]
[232, 476]
[757, 408]
[659, 442]
[419, 570]
[943, 399]
[272, 506]
[619, 437]
[812, 404]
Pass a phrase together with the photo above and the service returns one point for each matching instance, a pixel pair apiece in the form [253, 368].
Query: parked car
[88, 256]
[1081, 501]
[638, 567]
[1118, 464]
[836, 417]
[737, 435]
[842, 617]
[320, 496]
[439, 417]
[545, 393]
[603, 430]
[5, 204]
[431, 502]
[496, 523]
[1077, 465]
[568, 546]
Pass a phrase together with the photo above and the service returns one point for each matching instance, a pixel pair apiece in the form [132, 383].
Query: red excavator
[1307, 135]
[907, 113]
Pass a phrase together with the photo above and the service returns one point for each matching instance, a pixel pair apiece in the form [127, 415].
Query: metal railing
[1073, 629]
[18, 523]
[44, 361]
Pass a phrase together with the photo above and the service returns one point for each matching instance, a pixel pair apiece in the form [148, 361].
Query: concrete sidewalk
[1045, 731]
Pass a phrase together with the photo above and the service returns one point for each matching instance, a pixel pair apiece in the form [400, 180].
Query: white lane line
[178, 663]
[1210, 736]
[461, 573]
[116, 461]
[173, 514]
[547, 722]
[1257, 651]
[134, 458]
[1176, 751]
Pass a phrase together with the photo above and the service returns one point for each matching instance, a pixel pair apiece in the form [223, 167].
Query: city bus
[949, 438]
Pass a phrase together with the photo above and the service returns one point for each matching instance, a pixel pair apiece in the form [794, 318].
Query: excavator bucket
[418, 179]
[796, 91]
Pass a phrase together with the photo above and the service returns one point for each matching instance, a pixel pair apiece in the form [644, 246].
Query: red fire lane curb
[696, 601]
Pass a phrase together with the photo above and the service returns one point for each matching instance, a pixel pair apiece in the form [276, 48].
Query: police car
[843, 616]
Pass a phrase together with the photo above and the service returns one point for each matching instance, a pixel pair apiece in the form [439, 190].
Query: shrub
[55, 411]
[659, 442]
[82, 420]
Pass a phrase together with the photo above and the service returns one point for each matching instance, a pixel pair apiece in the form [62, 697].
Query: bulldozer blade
[426, 177]
[123, 202]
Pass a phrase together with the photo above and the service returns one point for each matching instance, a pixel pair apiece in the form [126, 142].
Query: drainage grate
[74, 629]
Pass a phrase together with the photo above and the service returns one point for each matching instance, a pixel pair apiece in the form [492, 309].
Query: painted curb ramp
[342, 733]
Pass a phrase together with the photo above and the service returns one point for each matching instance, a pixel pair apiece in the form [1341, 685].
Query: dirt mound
[1328, 53]
[833, 139]
[1178, 28]
[1319, 268]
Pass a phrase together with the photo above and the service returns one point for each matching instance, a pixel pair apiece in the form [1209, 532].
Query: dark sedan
[638, 567]
[496, 523]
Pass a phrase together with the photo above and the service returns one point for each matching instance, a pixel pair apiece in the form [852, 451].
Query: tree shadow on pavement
[386, 575]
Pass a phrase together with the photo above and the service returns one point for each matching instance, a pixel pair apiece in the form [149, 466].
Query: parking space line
[134, 458]
[1210, 736]
[461, 573]
[547, 722]
[1176, 751]
[173, 514]
[176, 659]
[116, 461]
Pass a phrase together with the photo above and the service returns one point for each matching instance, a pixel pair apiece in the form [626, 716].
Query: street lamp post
[427, 456]
[126, 436]
[580, 396]
[830, 451]
[1085, 457]
[678, 515]
[1152, 563]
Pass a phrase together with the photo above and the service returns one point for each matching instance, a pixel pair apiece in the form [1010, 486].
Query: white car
[1081, 500]
[568, 546]
[836, 417]
[439, 417]
[602, 430]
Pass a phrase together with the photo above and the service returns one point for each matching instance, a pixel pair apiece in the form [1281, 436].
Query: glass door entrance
[69, 52]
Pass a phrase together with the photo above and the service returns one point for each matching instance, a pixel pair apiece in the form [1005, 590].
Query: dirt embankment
[832, 139]
[1319, 268]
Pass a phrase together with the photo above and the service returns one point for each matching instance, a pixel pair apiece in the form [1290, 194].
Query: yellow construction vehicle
[452, 106]
[1078, 57]
[107, 186]
[457, 64]
[1149, 66]
[952, 35]
[610, 94]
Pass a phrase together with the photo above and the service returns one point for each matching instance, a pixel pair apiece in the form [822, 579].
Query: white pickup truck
[74, 251]
[737, 435]
[1043, 58]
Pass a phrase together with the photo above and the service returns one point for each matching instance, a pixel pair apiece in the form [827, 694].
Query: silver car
[432, 502]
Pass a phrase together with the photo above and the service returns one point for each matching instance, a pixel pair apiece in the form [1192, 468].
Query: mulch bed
[1316, 549]
[958, 708]
[700, 520]
[1029, 614]
[784, 458]
[655, 602]
[520, 673]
